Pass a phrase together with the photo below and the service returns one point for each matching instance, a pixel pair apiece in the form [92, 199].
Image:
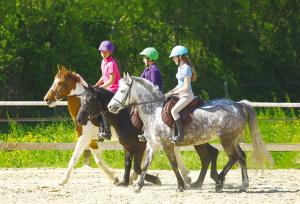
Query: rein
[122, 103]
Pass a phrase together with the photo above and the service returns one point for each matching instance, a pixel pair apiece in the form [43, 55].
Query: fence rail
[64, 103]
[282, 147]
[116, 146]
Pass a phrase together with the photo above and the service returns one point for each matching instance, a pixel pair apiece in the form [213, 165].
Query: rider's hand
[168, 94]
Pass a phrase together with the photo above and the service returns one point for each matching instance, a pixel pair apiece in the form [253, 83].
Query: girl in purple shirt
[151, 72]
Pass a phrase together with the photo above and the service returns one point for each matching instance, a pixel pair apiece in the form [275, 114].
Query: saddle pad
[135, 119]
[185, 114]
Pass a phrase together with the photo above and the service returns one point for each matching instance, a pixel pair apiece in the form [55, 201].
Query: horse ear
[58, 67]
[124, 75]
[128, 77]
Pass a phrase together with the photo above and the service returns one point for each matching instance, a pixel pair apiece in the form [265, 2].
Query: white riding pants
[184, 100]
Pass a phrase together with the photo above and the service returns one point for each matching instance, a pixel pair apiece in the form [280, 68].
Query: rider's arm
[109, 81]
[185, 88]
[100, 82]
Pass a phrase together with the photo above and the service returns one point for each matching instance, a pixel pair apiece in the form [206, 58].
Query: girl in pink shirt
[109, 80]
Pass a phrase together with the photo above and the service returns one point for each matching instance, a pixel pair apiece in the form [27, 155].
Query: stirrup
[177, 139]
[142, 137]
[102, 135]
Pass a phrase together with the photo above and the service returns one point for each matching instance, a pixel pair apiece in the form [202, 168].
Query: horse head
[94, 103]
[124, 96]
[66, 83]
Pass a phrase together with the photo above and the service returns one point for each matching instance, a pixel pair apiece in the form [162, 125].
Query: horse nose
[46, 100]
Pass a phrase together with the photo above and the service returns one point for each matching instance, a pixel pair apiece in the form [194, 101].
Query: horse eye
[122, 91]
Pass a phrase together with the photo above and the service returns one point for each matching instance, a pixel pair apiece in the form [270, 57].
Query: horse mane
[66, 74]
[149, 86]
[104, 93]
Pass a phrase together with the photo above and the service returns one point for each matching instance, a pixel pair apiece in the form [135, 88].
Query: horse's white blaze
[53, 103]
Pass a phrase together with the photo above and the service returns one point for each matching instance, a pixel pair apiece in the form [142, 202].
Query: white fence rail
[282, 147]
[64, 103]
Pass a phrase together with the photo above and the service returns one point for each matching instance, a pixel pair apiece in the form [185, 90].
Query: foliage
[250, 44]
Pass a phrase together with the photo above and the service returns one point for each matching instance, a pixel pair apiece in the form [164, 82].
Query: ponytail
[189, 62]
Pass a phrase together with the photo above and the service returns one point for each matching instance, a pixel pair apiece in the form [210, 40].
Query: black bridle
[94, 106]
[57, 95]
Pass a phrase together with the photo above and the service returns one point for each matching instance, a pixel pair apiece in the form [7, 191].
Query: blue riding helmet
[179, 50]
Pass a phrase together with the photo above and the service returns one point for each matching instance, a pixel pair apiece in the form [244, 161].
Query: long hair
[187, 60]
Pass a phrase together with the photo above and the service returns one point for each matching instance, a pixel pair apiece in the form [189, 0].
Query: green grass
[273, 132]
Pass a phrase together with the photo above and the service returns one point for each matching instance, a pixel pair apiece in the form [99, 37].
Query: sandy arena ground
[88, 185]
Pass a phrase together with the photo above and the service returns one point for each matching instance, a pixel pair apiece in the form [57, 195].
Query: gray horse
[223, 119]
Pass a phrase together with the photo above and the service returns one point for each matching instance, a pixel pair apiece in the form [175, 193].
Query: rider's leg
[105, 133]
[184, 100]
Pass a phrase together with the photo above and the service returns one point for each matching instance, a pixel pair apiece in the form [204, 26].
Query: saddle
[136, 120]
[185, 114]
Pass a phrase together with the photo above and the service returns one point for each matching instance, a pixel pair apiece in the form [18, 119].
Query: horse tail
[260, 151]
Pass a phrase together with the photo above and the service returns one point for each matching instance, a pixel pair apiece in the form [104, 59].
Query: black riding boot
[177, 138]
[104, 130]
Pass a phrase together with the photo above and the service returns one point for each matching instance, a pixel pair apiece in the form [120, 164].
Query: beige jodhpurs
[184, 100]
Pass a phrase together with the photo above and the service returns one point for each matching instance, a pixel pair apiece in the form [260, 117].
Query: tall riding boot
[180, 134]
[105, 133]
[100, 130]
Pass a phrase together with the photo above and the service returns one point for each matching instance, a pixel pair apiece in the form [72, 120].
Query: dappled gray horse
[221, 118]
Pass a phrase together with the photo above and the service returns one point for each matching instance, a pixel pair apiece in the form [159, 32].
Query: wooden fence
[117, 146]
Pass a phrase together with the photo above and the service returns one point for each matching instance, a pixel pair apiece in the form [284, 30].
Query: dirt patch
[86, 185]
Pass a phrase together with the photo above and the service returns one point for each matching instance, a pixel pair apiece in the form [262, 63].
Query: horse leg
[137, 169]
[149, 158]
[128, 163]
[243, 164]
[169, 150]
[97, 157]
[213, 152]
[81, 144]
[184, 171]
[232, 155]
[207, 154]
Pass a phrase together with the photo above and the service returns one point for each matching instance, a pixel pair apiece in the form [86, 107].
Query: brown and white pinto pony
[68, 85]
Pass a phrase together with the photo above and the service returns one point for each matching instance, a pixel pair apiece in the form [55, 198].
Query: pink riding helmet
[106, 45]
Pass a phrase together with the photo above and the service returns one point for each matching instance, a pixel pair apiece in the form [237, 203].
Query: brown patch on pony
[71, 78]
[94, 144]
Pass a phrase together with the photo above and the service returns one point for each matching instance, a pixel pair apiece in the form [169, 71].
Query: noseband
[57, 95]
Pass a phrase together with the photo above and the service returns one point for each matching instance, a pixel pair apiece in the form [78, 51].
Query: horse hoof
[219, 187]
[244, 188]
[62, 182]
[188, 180]
[196, 185]
[116, 181]
[137, 189]
[180, 189]
[123, 183]
[158, 181]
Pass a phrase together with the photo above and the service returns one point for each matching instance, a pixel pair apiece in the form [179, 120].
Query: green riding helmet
[151, 53]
